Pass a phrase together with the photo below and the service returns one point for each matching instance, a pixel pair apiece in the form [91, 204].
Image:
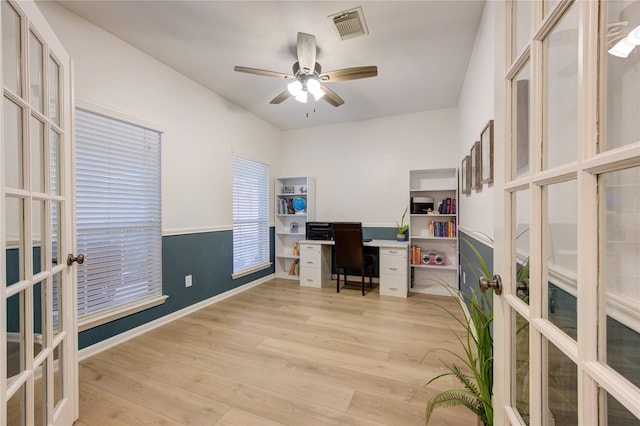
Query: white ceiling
[421, 48]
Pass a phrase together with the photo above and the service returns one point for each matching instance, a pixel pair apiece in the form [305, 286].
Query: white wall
[475, 109]
[362, 168]
[201, 129]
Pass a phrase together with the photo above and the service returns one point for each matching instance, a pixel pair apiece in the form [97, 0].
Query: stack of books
[446, 229]
[447, 206]
[295, 268]
[416, 255]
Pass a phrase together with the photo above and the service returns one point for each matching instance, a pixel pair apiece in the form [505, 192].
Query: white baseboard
[130, 334]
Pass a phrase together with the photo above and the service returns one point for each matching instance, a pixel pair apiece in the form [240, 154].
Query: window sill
[248, 271]
[123, 311]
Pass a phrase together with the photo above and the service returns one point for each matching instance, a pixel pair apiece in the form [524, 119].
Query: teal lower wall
[207, 257]
[470, 269]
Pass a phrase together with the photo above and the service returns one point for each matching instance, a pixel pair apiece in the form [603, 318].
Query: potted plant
[402, 227]
[474, 371]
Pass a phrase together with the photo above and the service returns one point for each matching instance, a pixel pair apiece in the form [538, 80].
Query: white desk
[315, 265]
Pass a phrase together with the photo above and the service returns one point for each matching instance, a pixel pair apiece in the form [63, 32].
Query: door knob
[495, 283]
[79, 258]
[524, 286]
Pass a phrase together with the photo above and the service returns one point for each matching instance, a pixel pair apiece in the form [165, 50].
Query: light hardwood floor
[280, 354]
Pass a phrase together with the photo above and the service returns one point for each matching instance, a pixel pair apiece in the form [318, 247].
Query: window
[118, 218]
[250, 216]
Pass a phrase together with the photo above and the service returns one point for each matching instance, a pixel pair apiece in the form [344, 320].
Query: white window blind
[250, 215]
[118, 215]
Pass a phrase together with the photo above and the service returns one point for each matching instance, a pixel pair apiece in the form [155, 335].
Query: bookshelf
[433, 233]
[294, 206]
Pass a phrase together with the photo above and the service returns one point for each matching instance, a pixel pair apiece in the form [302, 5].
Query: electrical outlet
[188, 280]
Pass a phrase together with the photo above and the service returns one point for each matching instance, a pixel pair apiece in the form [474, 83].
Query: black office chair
[349, 251]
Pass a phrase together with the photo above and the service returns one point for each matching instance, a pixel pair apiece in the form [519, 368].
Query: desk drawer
[393, 285]
[311, 277]
[388, 251]
[306, 247]
[310, 255]
[393, 264]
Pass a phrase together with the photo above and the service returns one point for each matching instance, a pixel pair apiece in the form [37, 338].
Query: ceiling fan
[307, 75]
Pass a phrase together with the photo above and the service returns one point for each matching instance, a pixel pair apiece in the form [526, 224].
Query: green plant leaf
[453, 398]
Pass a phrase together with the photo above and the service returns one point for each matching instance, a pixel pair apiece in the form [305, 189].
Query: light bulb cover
[622, 48]
[294, 88]
[634, 36]
[313, 86]
[302, 97]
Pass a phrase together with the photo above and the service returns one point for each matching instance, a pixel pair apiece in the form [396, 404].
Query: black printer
[319, 231]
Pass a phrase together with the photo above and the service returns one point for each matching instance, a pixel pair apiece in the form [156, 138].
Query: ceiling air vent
[350, 23]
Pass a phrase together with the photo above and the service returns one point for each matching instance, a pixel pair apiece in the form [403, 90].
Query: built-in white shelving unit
[294, 206]
[433, 235]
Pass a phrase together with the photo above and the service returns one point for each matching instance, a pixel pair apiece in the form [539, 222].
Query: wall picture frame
[486, 142]
[465, 175]
[476, 167]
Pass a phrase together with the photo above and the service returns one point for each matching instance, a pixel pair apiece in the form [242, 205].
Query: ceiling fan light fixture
[313, 87]
[295, 87]
[622, 48]
[634, 36]
[302, 97]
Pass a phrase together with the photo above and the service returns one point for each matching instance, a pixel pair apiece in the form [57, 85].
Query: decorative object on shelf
[432, 257]
[303, 189]
[486, 140]
[299, 204]
[402, 227]
[421, 205]
[294, 227]
[476, 167]
[465, 175]
[288, 189]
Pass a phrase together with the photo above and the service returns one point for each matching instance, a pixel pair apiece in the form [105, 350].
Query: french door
[38, 342]
[568, 218]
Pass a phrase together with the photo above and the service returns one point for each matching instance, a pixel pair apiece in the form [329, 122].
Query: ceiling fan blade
[265, 73]
[331, 97]
[306, 52]
[281, 97]
[350, 73]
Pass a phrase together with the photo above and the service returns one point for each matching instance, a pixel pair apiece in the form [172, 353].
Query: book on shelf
[416, 255]
[443, 229]
[447, 206]
[294, 269]
[285, 206]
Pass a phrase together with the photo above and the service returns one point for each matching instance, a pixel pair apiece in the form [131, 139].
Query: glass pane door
[36, 314]
[571, 193]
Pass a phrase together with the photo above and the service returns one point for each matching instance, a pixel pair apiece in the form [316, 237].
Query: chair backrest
[348, 245]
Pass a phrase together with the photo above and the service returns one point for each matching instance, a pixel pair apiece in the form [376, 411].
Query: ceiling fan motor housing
[297, 72]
